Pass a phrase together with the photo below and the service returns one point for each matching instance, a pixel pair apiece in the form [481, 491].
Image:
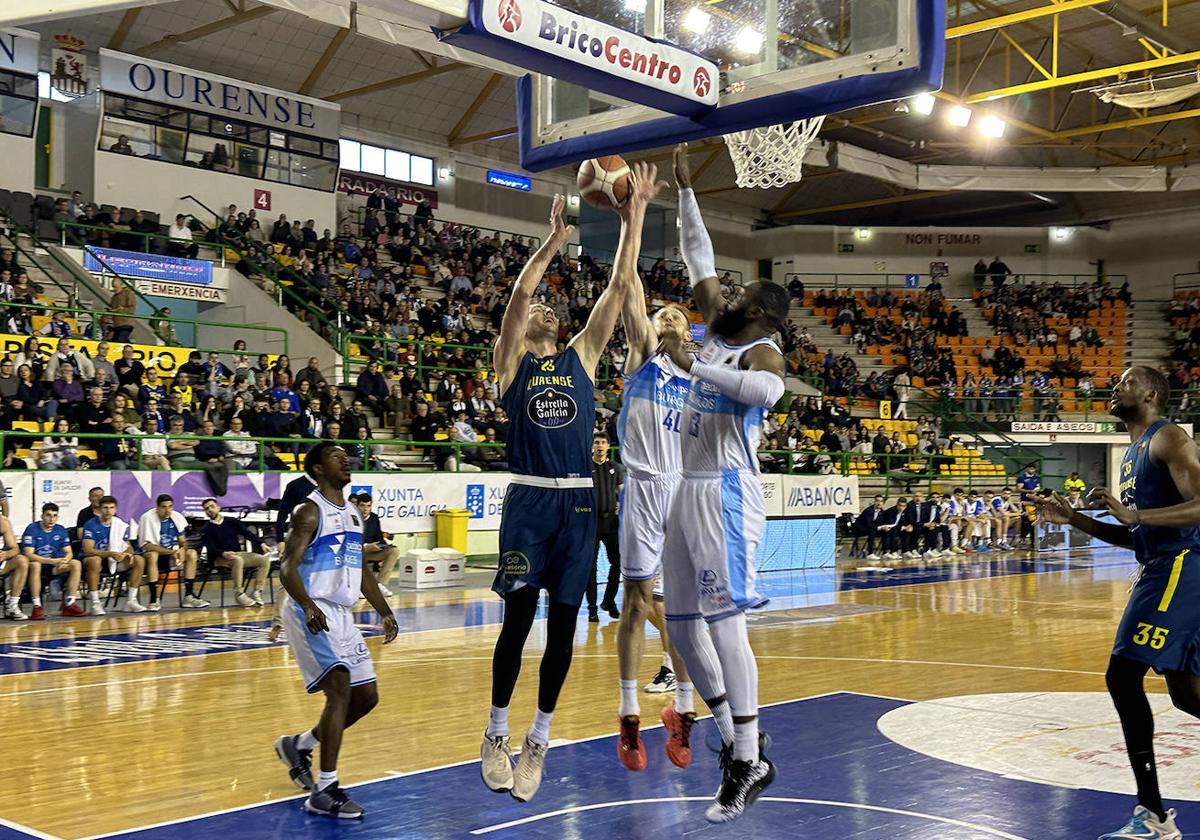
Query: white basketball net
[772, 155]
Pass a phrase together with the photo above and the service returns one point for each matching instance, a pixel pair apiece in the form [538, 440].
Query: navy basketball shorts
[547, 541]
[1161, 624]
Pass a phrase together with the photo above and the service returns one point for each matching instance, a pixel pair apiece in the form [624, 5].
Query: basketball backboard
[775, 61]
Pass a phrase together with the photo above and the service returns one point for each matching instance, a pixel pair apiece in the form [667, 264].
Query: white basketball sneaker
[527, 778]
[1143, 825]
[496, 763]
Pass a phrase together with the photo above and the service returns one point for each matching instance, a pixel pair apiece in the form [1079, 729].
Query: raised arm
[760, 383]
[696, 245]
[510, 346]
[639, 331]
[591, 341]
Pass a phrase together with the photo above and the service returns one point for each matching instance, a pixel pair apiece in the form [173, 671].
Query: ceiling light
[749, 41]
[923, 104]
[862, 233]
[992, 127]
[696, 20]
[444, 173]
[1061, 232]
[958, 116]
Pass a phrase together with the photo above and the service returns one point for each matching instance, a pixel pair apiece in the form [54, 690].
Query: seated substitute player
[323, 574]
[15, 567]
[378, 552]
[717, 516]
[160, 535]
[548, 529]
[106, 541]
[1159, 515]
[46, 543]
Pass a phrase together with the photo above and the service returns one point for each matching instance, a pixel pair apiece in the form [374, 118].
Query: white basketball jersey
[652, 415]
[332, 563]
[720, 433]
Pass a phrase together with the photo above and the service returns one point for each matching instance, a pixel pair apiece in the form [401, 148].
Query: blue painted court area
[787, 590]
[838, 777]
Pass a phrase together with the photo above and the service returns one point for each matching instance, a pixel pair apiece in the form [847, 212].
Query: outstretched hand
[644, 187]
[683, 172]
[1101, 496]
[560, 231]
[1054, 508]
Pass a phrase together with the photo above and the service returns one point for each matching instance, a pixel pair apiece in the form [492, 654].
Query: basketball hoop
[772, 155]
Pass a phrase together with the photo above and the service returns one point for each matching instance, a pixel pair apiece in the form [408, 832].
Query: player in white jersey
[717, 516]
[648, 430]
[323, 574]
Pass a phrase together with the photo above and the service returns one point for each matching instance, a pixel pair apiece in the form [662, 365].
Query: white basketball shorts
[645, 506]
[342, 646]
[713, 531]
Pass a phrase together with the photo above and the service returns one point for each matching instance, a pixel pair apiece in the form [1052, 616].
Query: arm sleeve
[694, 240]
[751, 387]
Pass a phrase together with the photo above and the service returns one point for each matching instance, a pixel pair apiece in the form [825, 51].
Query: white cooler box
[424, 568]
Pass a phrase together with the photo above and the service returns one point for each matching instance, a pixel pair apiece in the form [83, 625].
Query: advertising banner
[18, 488]
[820, 495]
[164, 359]
[358, 183]
[405, 502]
[19, 51]
[149, 266]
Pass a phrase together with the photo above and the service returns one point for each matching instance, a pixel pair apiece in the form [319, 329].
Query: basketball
[604, 181]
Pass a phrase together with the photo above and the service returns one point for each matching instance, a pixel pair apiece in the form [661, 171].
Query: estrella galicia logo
[361, 490]
[514, 564]
[509, 15]
[475, 496]
[552, 409]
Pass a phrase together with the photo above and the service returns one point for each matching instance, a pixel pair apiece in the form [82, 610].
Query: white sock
[306, 740]
[11, 601]
[324, 779]
[724, 720]
[94, 597]
[540, 732]
[684, 700]
[70, 600]
[745, 741]
[37, 600]
[497, 722]
[131, 595]
[629, 698]
[670, 666]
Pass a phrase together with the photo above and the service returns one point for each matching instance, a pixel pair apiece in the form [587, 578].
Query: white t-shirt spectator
[181, 231]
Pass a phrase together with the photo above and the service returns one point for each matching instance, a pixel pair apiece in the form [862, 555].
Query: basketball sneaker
[630, 750]
[298, 761]
[496, 763]
[679, 728]
[663, 682]
[527, 777]
[95, 608]
[245, 600]
[13, 613]
[257, 597]
[38, 613]
[133, 606]
[191, 602]
[741, 784]
[73, 610]
[333, 802]
[154, 606]
[1143, 825]
[873, 557]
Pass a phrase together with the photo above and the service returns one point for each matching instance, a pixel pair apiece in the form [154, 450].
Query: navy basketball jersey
[551, 407]
[1146, 485]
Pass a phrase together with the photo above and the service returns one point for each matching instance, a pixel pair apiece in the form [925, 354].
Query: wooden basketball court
[117, 724]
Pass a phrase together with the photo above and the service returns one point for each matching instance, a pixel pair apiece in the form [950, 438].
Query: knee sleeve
[732, 643]
[691, 638]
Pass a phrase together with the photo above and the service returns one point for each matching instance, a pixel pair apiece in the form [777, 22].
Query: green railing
[1069, 279]
[267, 447]
[677, 267]
[349, 360]
[94, 317]
[906, 468]
[840, 280]
[360, 213]
[141, 242]
[31, 261]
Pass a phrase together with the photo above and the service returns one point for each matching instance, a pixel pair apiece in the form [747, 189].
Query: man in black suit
[933, 531]
[867, 525]
[897, 529]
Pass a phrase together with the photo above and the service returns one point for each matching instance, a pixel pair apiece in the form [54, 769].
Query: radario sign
[557, 42]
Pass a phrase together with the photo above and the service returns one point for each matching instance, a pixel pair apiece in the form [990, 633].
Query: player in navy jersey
[548, 530]
[1159, 511]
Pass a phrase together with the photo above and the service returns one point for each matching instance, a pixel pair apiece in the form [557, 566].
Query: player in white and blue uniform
[324, 576]
[655, 391]
[717, 516]
[106, 542]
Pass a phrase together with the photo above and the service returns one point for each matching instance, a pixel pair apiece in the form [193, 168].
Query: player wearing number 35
[1159, 512]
